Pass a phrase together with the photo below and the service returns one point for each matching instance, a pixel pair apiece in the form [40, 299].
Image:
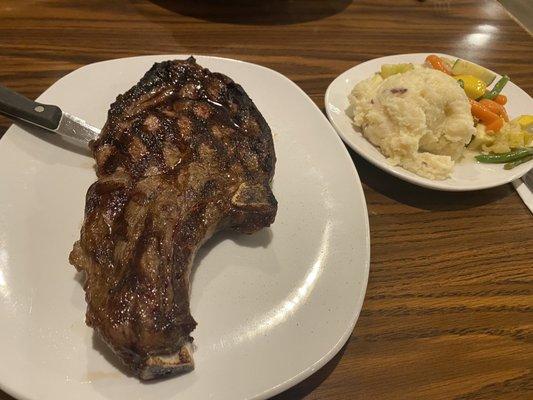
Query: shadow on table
[305, 387]
[419, 197]
[251, 12]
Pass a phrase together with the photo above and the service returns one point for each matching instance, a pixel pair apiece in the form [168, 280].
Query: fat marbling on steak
[183, 154]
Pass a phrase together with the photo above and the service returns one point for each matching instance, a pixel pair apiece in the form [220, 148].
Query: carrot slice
[482, 113]
[437, 63]
[495, 108]
[492, 121]
[495, 125]
[501, 99]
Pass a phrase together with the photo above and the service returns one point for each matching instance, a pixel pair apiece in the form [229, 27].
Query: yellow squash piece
[393, 69]
[528, 138]
[525, 121]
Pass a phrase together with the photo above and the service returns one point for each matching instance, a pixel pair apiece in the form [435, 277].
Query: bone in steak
[183, 154]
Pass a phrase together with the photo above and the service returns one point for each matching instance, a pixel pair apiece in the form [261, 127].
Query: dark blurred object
[521, 11]
[270, 12]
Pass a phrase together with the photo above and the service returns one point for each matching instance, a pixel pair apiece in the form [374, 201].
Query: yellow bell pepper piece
[473, 87]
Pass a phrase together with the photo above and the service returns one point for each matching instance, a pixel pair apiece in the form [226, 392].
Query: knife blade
[76, 128]
[528, 180]
[47, 116]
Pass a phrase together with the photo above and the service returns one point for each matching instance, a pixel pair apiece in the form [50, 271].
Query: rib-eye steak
[183, 154]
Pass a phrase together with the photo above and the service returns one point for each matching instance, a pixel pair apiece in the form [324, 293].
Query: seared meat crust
[183, 154]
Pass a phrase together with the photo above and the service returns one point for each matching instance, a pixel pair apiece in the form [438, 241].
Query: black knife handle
[15, 105]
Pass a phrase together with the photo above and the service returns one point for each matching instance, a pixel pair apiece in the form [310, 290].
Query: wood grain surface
[448, 310]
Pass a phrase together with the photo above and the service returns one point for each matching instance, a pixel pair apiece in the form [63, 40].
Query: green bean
[505, 157]
[522, 160]
[497, 88]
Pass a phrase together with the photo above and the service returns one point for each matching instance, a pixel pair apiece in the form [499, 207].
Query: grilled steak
[183, 154]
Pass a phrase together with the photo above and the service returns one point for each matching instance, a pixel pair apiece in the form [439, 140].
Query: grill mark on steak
[183, 154]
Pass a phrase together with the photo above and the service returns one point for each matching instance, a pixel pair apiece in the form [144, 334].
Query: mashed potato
[419, 119]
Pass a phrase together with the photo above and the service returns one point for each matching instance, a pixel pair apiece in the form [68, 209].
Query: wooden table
[448, 310]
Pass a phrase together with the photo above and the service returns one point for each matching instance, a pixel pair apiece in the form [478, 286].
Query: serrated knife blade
[47, 116]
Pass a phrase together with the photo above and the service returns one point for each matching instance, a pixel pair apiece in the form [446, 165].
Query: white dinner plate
[271, 307]
[467, 175]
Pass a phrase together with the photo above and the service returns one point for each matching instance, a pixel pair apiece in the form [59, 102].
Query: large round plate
[272, 307]
[467, 175]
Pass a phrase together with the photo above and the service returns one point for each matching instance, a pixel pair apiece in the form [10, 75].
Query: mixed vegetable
[506, 141]
[503, 140]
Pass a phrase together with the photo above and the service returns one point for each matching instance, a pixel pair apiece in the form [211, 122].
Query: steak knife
[528, 180]
[50, 117]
